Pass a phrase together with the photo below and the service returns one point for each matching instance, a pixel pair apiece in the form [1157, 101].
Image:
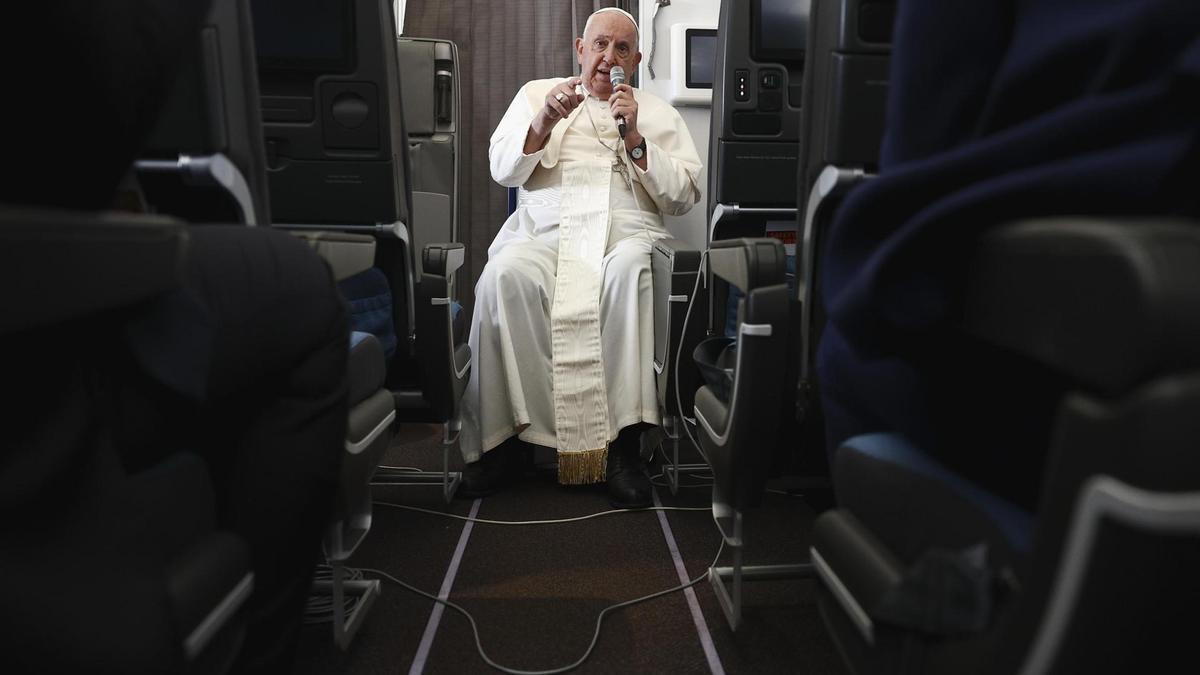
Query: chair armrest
[208, 586]
[446, 366]
[1111, 303]
[686, 255]
[748, 263]
[443, 259]
[674, 266]
[82, 263]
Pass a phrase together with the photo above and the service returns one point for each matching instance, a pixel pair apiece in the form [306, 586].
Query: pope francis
[562, 333]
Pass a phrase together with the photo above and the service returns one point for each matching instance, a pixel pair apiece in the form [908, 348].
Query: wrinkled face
[610, 40]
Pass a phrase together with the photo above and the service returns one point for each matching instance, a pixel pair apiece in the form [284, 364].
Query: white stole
[580, 400]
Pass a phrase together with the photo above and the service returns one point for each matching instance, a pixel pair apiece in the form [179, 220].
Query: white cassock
[563, 335]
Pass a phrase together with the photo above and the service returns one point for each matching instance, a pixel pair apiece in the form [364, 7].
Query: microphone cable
[595, 634]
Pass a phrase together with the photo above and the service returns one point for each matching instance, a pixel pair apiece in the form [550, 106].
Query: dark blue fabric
[997, 110]
[369, 298]
[458, 323]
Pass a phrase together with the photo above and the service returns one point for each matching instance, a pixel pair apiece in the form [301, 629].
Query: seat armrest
[208, 586]
[674, 266]
[347, 253]
[687, 257]
[81, 263]
[1111, 303]
[446, 366]
[443, 259]
[748, 263]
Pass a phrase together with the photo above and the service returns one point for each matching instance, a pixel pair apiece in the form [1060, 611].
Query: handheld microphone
[617, 76]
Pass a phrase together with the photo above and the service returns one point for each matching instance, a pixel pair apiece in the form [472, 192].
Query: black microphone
[617, 76]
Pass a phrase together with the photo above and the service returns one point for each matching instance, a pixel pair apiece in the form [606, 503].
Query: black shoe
[487, 474]
[628, 483]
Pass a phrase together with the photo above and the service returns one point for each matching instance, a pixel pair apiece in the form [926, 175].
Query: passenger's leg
[511, 388]
[627, 343]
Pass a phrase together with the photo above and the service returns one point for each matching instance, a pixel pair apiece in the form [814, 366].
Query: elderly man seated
[562, 331]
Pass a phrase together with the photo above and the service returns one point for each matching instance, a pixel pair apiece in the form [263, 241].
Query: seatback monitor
[701, 57]
[780, 29]
[693, 63]
[315, 35]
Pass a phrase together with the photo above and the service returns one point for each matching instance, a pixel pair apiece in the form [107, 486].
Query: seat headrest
[88, 79]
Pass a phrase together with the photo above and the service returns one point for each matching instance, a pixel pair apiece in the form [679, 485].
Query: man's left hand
[622, 104]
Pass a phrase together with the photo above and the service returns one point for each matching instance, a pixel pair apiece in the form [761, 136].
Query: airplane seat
[1100, 578]
[674, 273]
[203, 162]
[736, 409]
[751, 160]
[842, 126]
[339, 165]
[1088, 289]
[206, 162]
[130, 573]
[368, 435]
[429, 71]
[833, 73]
[754, 139]
[733, 407]
[431, 108]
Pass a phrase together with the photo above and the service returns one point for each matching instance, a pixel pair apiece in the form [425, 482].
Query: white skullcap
[637, 33]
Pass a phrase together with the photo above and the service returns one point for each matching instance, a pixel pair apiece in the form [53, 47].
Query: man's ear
[579, 50]
[637, 58]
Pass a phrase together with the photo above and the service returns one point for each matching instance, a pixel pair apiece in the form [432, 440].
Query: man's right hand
[559, 103]
[561, 100]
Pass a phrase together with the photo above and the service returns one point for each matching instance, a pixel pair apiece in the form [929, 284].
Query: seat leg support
[672, 468]
[447, 479]
[366, 590]
[727, 580]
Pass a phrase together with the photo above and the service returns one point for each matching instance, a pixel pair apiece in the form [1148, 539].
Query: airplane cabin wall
[690, 227]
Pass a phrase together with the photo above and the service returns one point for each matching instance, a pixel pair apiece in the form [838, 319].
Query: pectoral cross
[619, 167]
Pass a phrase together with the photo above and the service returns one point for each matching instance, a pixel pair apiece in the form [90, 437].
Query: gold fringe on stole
[582, 468]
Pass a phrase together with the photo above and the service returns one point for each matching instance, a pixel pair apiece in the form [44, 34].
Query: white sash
[580, 400]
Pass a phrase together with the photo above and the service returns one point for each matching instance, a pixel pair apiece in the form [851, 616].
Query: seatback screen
[780, 29]
[304, 34]
[701, 57]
